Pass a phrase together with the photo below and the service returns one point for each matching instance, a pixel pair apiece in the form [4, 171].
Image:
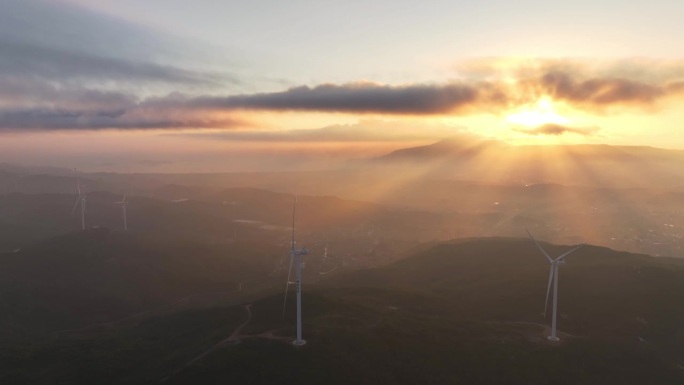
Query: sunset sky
[226, 86]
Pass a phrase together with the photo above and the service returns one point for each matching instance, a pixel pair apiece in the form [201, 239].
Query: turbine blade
[124, 198]
[539, 246]
[548, 289]
[78, 186]
[75, 204]
[287, 285]
[565, 254]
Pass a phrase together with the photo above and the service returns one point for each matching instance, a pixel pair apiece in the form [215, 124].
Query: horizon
[127, 167]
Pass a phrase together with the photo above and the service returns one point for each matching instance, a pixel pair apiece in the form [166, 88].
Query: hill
[100, 275]
[597, 166]
[462, 312]
[470, 312]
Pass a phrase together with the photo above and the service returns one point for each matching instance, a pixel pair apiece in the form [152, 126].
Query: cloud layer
[63, 67]
[38, 103]
[596, 92]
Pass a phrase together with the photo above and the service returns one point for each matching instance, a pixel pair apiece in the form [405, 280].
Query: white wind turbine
[81, 198]
[326, 260]
[553, 277]
[296, 257]
[123, 204]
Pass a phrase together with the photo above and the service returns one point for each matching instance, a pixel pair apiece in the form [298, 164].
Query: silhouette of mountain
[588, 165]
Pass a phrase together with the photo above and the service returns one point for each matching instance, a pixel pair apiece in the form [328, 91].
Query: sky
[242, 86]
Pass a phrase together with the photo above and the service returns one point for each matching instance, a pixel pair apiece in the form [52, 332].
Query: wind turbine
[296, 257]
[123, 207]
[553, 277]
[81, 198]
[325, 260]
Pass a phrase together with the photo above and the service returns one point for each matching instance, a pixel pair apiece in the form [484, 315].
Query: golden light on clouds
[538, 114]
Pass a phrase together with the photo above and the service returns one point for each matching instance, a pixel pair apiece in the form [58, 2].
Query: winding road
[233, 338]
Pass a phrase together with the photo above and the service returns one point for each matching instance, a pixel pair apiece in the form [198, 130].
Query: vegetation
[464, 312]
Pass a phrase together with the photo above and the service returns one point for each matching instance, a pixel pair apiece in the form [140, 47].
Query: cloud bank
[363, 97]
[63, 67]
[35, 103]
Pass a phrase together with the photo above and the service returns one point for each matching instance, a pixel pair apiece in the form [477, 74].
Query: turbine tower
[81, 198]
[553, 277]
[296, 258]
[123, 208]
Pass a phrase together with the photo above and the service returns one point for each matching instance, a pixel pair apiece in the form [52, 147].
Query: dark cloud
[20, 94]
[557, 129]
[36, 120]
[41, 106]
[591, 85]
[600, 85]
[580, 89]
[354, 98]
[36, 105]
[600, 91]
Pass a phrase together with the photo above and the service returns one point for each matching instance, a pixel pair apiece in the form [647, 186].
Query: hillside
[100, 275]
[470, 312]
[463, 312]
[597, 166]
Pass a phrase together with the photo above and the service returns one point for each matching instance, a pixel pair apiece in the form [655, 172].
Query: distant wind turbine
[81, 198]
[296, 258]
[325, 260]
[553, 277]
[123, 204]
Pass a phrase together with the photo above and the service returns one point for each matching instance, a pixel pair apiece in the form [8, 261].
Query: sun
[538, 114]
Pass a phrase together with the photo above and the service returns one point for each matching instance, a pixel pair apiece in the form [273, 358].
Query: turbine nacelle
[122, 201]
[302, 251]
